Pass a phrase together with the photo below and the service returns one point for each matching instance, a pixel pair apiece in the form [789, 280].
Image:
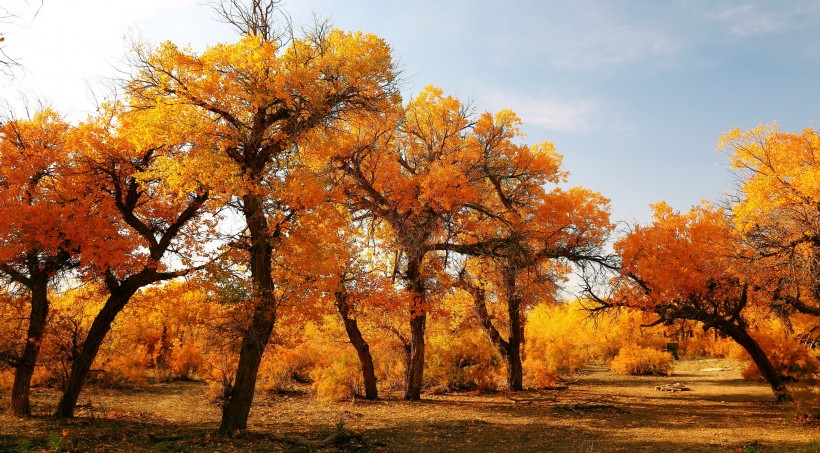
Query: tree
[777, 214]
[557, 228]
[256, 100]
[691, 267]
[43, 226]
[119, 151]
[444, 183]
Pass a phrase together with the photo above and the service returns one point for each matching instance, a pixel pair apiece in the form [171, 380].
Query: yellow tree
[255, 100]
[777, 214]
[691, 267]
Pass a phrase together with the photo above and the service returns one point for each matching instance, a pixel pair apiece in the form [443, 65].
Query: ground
[599, 412]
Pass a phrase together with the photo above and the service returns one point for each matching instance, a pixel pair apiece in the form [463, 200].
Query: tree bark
[20, 391]
[81, 365]
[237, 407]
[772, 376]
[418, 322]
[515, 372]
[360, 344]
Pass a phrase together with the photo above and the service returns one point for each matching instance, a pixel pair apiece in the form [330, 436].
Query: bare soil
[601, 411]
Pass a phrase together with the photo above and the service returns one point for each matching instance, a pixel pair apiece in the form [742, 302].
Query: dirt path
[600, 412]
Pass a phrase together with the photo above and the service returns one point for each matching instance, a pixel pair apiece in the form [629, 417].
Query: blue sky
[633, 93]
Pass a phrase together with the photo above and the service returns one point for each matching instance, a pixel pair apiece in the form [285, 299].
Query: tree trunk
[81, 365]
[515, 372]
[415, 373]
[503, 346]
[20, 391]
[418, 322]
[237, 408]
[361, 346]
[742, 337]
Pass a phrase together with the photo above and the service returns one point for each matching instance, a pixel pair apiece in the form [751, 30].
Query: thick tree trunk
[361, 346]
[515, 372]
[415, 373]
[81, 365]
[20, 391]
[742, 337]
[237, 407]
[418, 322]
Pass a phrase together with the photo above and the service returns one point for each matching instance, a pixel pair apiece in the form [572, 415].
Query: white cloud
[603, 41]
[751, 19]
[571, 116]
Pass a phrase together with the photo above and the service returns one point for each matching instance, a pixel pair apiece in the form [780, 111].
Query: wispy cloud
[571, 116]
[750, 19]
[584, 35]
[598, 39]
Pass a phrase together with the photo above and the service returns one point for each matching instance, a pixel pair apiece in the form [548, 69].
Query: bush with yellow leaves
[639, 361]
[461, 359]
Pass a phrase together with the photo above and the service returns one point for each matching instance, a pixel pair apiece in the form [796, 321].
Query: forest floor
[599, 412]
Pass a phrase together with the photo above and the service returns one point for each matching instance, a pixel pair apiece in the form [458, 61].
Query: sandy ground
[599, 412]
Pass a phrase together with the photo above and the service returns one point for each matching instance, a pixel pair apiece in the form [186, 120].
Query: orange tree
[254, 101]
[117, 151]
[443, 182]
[777, 214]
[691, 267]
[553, 230]
[43, 226]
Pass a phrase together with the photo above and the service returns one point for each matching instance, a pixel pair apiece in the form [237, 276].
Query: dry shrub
[639, 361]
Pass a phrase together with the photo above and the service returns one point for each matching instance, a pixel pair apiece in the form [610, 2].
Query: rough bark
[515, 373]
[742, 337]
[20, 391]
[418, 322]
[255, 339]
[360, 344]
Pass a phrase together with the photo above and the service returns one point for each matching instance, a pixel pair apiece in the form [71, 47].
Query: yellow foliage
[639, 361]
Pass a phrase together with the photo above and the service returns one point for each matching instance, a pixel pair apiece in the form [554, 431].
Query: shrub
[638, 361]
[462, 360]
[342, 380]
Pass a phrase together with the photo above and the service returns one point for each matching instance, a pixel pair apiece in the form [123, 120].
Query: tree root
[589, 407]
[340, 438]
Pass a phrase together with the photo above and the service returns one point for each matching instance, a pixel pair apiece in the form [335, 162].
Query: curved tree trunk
[360, 344]
[20, 391]
[742, 337]
[81, 365]
[237, 407]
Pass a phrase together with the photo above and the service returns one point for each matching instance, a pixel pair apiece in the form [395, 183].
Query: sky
[634, 93]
